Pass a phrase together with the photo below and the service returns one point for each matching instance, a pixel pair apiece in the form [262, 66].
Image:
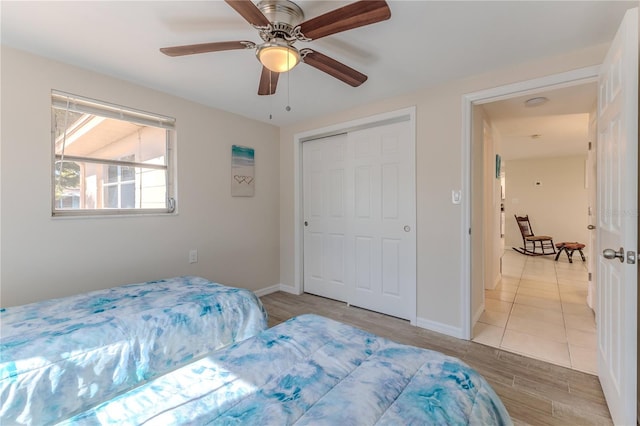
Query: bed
[62, 356]
[310, 370]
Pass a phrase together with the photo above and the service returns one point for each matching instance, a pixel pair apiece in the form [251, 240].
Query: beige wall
[558, 207]
[237, 238]
[493, 201]
[486, 243]
[478, 222]
[439, 170]
[228, 232]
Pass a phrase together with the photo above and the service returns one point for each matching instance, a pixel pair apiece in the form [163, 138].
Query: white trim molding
[274, 288]
[439, 327]
[267, 290]
[478, 314]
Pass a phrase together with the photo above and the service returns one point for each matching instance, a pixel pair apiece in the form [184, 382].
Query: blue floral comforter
[310, 371]
[63, 356]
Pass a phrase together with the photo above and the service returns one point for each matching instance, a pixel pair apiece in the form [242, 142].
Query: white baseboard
[289, 289]
[498, 278]
[477, 314]
[494, 284]
[274, 288]
[438, 327]
[267, 290]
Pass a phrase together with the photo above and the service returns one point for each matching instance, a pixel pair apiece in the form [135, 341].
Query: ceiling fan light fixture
[278, 56]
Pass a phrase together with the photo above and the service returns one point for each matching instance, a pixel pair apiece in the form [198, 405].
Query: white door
[359, 213]
[383, 219]
[325, 215]
[616, 312]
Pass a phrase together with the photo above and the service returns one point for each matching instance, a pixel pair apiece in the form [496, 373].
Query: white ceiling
[423, 44]
[556, 128]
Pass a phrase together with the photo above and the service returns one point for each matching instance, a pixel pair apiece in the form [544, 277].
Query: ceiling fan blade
[268, 82]
[192, 49]
[333, 68]
[249, 12]
[351, 16]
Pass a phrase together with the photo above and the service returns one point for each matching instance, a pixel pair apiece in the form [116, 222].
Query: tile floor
[539, 310]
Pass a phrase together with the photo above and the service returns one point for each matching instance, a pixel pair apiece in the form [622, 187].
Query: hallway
[539, 310]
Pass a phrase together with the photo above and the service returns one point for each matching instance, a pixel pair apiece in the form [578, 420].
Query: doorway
[539, 305]
[533, 305]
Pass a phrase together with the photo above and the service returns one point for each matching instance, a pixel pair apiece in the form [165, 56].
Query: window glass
[109, 159]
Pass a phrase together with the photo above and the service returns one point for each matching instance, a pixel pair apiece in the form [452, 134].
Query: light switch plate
[456, 196]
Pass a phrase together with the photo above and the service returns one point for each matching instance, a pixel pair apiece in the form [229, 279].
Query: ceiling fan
[280, 24]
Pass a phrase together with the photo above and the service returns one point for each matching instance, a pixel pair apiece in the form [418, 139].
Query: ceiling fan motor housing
[284, 15]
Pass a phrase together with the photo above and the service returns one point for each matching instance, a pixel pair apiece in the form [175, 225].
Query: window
[108, 159]
[119, 188]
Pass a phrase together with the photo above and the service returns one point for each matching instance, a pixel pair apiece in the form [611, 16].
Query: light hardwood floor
[534, 392]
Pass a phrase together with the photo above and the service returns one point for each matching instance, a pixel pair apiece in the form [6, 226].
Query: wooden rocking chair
[533, 245]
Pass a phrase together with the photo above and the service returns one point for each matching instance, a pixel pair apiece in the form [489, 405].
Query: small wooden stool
[569, 248]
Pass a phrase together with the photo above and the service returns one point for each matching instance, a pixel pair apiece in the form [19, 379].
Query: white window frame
[118, 183]
[75, 103]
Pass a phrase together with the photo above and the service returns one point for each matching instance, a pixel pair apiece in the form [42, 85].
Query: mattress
[310, 370]
[63, 356]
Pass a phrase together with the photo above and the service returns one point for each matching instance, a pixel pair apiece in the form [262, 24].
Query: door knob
[591, 227]
[306, 223]
[612, 254]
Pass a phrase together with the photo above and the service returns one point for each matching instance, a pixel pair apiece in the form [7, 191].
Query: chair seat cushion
[538, 238]
[571, 246]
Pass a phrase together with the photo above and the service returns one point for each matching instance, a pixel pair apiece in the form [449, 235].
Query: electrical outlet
[193, 256]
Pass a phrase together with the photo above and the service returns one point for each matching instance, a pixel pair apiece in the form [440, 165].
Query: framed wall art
[242, 171]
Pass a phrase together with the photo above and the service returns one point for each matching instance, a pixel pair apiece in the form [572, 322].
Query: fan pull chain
[270, 97]
[288, 108]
